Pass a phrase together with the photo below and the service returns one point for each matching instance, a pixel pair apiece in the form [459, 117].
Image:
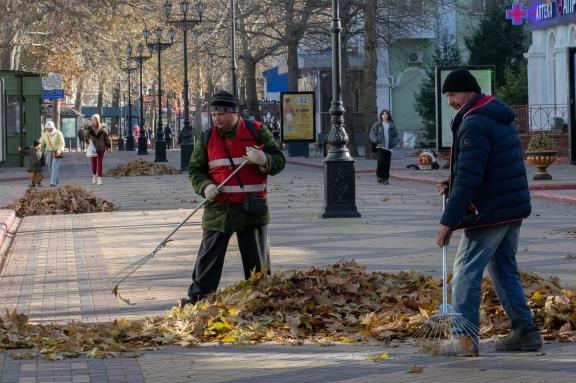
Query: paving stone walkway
[58, 270]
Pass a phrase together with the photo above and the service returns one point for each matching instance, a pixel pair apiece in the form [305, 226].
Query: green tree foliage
[497, 42]
[446, 53]
[515, 88]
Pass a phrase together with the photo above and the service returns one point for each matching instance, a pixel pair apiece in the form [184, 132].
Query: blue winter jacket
[488, 184]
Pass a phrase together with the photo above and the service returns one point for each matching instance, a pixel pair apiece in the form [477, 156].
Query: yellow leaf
[123, 323]
[378, 357]
[536, 297]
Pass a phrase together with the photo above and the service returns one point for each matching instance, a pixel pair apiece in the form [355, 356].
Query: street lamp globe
[140, 48]
[171, 34]
[129, 51]
[146, 35]
[200, 9]
[184, 7]
[158, 32]
[168, 8]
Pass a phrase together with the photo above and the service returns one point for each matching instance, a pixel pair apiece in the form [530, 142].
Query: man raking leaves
[488, 198]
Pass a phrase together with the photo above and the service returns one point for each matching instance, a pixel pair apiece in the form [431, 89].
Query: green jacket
[230, 217]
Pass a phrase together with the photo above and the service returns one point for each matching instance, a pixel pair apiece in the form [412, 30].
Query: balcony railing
[550, 117]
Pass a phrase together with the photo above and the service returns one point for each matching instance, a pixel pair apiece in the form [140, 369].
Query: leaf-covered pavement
[337, 303]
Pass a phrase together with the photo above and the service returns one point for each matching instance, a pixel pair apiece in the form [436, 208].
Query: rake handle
[165, 240]
[444, 264]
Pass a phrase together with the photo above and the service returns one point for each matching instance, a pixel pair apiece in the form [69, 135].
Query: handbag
[59, 156]
[91, 151]
[255, 205]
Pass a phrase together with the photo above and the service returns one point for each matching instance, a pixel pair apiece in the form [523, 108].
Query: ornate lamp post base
[142, 145]
[130, 143]
[339, 189]
[160, 151]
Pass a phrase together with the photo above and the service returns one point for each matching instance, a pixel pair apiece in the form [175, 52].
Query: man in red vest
[240, 205]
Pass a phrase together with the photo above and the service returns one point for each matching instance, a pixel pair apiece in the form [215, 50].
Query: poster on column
[298, 114]
[484, 74]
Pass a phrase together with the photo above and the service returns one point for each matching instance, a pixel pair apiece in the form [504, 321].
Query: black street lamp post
[234, 67]
[142, 139]
[130, 137]
[159, 46]
[185, 24]
[339, 178]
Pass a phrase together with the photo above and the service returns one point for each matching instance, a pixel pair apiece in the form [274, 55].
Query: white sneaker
[93, 179]
[99, 180]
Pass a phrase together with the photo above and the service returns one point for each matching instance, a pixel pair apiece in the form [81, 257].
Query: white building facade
[552, 68]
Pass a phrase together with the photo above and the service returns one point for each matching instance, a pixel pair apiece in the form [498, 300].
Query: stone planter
[541, 159]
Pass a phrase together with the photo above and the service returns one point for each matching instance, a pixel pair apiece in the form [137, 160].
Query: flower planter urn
[541, 159]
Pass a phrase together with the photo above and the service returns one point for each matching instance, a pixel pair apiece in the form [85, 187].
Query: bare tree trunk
[348, 99]
[56, 113]
[79, 95]
[251, 95]
[151, 121]
[115, 128]
[370, 62]
[100, 104]
[15, 57]
[292, 45]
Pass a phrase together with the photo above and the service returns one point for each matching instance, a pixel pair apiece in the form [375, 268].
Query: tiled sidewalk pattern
[59, 267]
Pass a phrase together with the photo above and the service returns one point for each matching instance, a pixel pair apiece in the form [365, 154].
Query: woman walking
[384, 134]
[98, 136]
[53, 142]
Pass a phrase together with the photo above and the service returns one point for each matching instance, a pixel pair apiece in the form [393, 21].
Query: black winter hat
[224, 102]
[460, 80]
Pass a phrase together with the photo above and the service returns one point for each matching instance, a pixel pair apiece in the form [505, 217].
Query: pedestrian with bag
[240, 206]
[383, 137]
[488, 199]
[97, 136]
[52, 141]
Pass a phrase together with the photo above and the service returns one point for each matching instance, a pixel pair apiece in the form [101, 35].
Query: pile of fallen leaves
[338, 303]
[141, 168]
[68, 199]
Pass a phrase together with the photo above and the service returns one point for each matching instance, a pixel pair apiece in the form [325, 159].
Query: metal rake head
[448, 333]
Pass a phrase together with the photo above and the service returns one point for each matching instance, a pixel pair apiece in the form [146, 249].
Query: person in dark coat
[168, 137]
[35, 163]
[385, 136]
[488, 198]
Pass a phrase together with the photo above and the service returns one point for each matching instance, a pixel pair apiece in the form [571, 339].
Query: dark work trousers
[253, 246]
[383, 167]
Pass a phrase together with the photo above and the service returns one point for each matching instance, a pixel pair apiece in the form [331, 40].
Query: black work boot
[188, 301]
[520, 340]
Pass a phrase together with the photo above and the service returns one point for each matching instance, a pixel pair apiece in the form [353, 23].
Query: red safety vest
[219, 167]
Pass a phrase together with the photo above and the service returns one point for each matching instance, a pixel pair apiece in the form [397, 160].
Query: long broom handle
[444, 265]
[165, 240]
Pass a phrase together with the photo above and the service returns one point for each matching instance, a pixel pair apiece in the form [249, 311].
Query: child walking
[35, 156]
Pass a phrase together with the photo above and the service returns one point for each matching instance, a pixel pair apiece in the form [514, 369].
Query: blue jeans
[53, 165]
[496, 248]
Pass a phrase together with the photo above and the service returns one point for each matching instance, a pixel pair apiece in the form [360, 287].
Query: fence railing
[541, 117]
